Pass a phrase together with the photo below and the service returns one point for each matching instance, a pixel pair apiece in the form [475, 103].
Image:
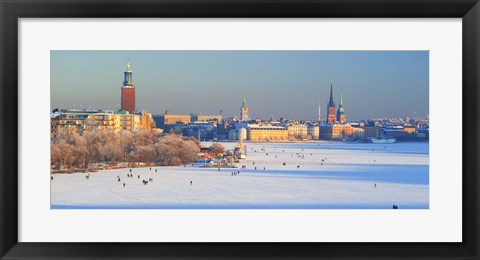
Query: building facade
[300, 131]
[371, 131]
[335, 131]
[73, 120]
[358, 133]
[174, 119]
[146, 120]
[313, 131]
[116, 121]
[77, 121]
[260, 133]
[217, 118]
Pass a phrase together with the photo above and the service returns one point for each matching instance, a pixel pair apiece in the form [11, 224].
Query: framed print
[210, 129]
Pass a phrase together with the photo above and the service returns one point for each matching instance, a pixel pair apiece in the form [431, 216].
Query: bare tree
[69, 150]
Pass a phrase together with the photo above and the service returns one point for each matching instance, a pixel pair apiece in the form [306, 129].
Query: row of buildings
[79, 120]
[215, 127]
[353, 131]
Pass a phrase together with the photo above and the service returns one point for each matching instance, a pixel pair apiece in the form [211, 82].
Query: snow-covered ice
[346, 180]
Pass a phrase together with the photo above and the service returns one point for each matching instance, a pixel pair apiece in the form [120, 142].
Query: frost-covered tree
[71, 150]
[217, 149]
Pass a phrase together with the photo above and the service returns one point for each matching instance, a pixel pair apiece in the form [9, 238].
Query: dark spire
[330, 102]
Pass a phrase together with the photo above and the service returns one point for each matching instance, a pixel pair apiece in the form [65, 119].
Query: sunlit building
[146, 120]
[358, 133]
[217, 118]
[267, 133]
[335, 131]
[299, 130]
[174, 119]
[73, 119]
[113, 120]
[313, 131]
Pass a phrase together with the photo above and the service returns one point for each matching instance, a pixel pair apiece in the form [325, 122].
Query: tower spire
[319, 111]
[128, 78]
[244, 110]
[341, 111]
[330, 102]
[331, 107]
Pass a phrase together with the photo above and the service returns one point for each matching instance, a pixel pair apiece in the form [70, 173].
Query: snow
[346, 180]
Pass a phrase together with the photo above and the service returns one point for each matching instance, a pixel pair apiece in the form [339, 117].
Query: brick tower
[128, 91]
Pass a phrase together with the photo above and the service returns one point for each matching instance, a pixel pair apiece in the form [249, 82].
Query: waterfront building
[128, 91]
[113, 120]
[201, 117]
[409, 129]
[244, 111]
[335, 131]
[267, 133]
[358, 133]
[73, 120]
[174, 119]
[331, 115]
[313, 131]
[423, 133]
[100, 121]
[371, 131]
[297, 131]
[126, 121]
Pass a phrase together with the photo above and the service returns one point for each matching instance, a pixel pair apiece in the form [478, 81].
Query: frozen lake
[345, 179]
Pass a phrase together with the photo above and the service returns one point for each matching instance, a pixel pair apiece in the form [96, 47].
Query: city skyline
[274, 83]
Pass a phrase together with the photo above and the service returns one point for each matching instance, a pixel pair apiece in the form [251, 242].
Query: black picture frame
[11, 11]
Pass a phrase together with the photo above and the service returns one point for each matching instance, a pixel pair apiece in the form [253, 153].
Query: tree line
[74, 150]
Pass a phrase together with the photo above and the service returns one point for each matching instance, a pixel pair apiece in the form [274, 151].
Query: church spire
[340, 107]
[330, 102]
[244, 110]
[341, 111]
[331, 117]
[244, 103]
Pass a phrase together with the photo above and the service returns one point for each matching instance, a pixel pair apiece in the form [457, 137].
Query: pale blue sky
[278, 83]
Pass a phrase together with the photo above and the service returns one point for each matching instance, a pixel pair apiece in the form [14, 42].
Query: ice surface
[346, 180]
